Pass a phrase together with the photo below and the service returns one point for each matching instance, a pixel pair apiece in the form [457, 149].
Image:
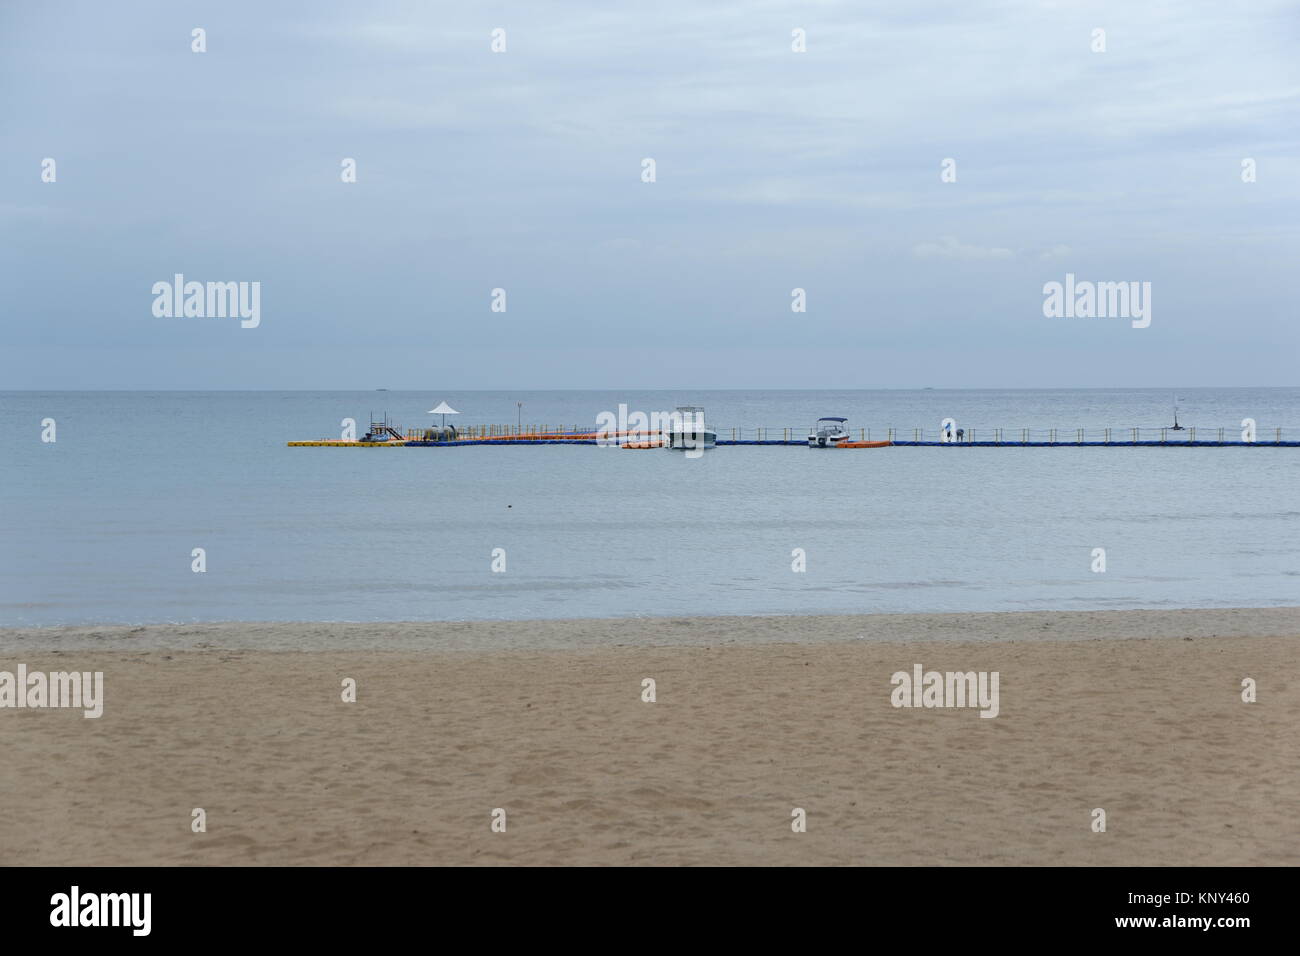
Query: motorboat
[687, 431]
[828, 432]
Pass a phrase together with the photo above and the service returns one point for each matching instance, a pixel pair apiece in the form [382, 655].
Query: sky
[775, 170]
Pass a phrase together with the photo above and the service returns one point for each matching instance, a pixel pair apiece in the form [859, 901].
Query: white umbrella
[444, 410]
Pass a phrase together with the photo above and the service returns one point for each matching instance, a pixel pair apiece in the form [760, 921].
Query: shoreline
[592, 633]
[1149, 726]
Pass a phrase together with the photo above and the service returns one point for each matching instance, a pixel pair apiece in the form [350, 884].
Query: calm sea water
[99, 526]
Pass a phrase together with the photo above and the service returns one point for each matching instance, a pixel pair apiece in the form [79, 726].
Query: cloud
[950, 248]
[620, 244]
[522, 170]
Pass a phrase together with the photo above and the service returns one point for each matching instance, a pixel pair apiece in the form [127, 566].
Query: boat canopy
[832, 419]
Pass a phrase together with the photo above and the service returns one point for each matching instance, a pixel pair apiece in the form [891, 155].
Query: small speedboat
[687, 431]
[828, 432]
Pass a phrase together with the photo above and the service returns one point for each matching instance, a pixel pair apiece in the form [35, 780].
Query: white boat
[688, 431]
[828, 432]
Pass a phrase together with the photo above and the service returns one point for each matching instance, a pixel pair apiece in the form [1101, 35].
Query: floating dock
[915, 438]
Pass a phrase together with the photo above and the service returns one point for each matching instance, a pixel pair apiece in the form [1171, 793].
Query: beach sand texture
[1136, 712]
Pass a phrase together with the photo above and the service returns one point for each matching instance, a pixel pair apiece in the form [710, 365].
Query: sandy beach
[1139, 713]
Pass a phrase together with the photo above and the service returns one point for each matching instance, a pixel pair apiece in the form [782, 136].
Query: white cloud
[950, 248]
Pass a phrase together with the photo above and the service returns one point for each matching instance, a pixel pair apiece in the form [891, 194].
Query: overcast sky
[775, 170]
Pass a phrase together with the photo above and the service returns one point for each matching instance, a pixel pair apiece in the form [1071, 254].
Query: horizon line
[673, 388]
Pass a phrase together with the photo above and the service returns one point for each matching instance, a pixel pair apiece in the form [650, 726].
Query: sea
[154, 507]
